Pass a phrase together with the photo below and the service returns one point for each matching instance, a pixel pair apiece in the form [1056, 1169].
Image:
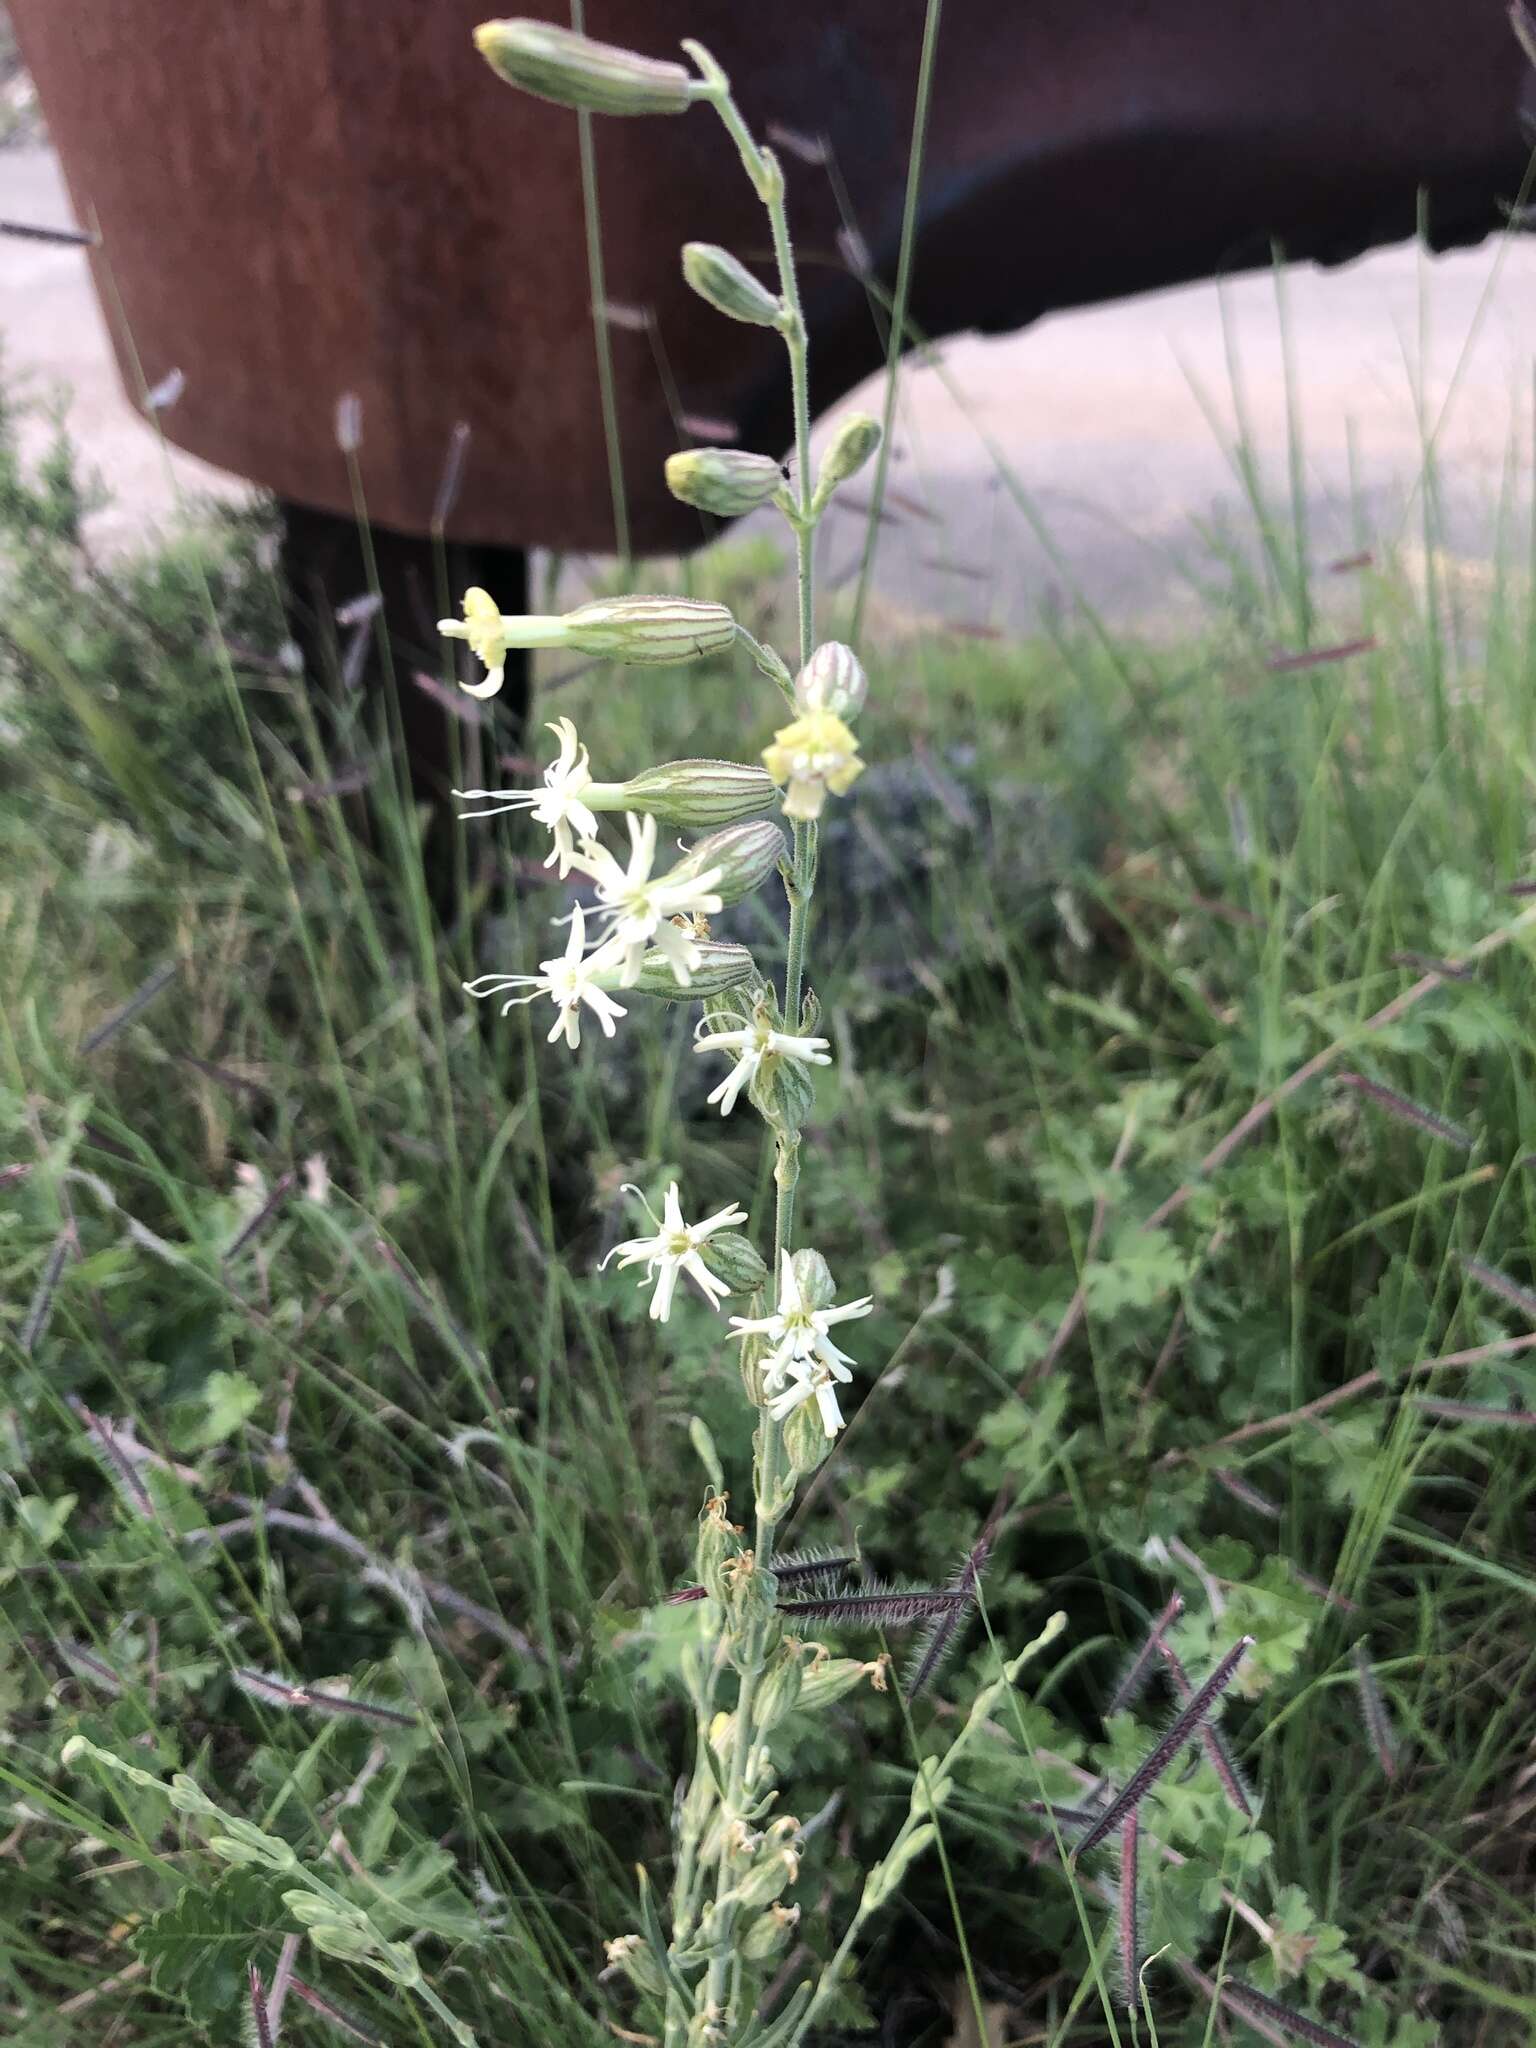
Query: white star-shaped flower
[803, 1362]
[639, 906]
[674, 1249]
[810, 1381]
[557, 804]
[751, 1045]
[569, 980]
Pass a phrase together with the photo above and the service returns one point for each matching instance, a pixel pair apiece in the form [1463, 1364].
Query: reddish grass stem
[1158, 1759]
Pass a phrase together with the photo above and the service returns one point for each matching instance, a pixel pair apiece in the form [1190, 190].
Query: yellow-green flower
[812, 755]
[486, 631]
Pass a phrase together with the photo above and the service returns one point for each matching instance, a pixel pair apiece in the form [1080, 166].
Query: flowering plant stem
[768, 181]
[735, 1855]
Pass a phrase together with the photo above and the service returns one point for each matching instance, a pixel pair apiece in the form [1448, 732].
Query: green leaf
[1142, 1267]
[199, 1949]
[229, 1399]
[44, 1520]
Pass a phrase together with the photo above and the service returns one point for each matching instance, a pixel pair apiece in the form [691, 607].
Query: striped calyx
[573, 70]
[698, 793]
[720, 967]
[725, 481]
[741, 857]
[650, 631]
[729, 286]
[735, 1260]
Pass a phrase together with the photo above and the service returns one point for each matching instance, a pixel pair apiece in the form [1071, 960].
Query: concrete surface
[53, 339]
[1100, 415]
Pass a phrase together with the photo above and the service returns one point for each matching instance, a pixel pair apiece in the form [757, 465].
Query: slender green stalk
[602, 337]
[899, 299]
[730, 1853]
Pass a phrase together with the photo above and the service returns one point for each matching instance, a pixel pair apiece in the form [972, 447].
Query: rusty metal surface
[299, 198]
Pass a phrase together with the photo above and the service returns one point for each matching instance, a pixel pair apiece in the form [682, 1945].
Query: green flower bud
[832, 680]
[722, 967]
[397, 1961]
[704, 1450]
[187, 1796]
[729, 286]
[743, 855]
[350, 1944]
[574, 71]
[735, 1260]
[769, 1935]
[311, 1911]
[243, 1842]
[631, 1956]
[813, 1277]
[725, 481]
[698, 793]
[648, 631]
[79, 1747]
[933, 1785]
[852, 445]
[232, 1851]
[885, 1879]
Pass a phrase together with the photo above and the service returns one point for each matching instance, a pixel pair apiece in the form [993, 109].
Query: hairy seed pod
[743, 856]
[718, 1925]
[779, 1692]
[631, 1956]
[806, 1442]
[575, 71]
[717, 1544]
[649, 631]
[698, 793]
[829, 1681]
[725, 481]
[735, 1260]
[855, 440]
[770, 1934]
[729, 286]
[767, 1878]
